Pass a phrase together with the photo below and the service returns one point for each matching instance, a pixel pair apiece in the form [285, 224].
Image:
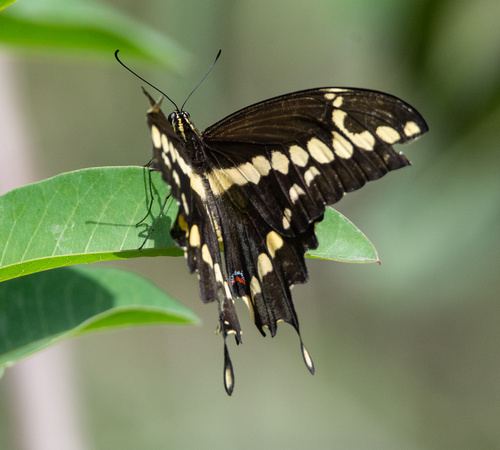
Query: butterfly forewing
[255, 184]
[298, 152]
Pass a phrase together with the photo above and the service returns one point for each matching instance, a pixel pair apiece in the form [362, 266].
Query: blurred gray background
[407, 354]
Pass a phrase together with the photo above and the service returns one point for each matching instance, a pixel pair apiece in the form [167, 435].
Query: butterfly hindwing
[251, 188]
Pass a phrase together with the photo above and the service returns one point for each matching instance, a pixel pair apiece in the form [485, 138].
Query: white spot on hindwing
[218, 274]
[287, 214]
[220, 180]
[232, 174]
[299, 156]
[274, 243]
[249, 172]
[294, 192]
[205, 254]
[185, 203]
[194, 236]
[255, 287]
[166, 160]
[176, 178]
[264, 265]
[310, 174]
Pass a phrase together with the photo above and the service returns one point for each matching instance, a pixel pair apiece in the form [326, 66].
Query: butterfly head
[181, 124]
[177, 116]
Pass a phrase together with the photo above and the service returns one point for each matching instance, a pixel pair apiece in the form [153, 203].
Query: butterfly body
[251, 188]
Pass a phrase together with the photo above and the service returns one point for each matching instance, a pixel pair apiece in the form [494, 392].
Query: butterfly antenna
[148, 83]
[201, 81]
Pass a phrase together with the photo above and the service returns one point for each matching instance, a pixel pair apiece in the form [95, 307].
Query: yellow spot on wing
[320, 151]
[197, 186]
[337, 103]
[255, 287]
[299, 156]
[274, 243]
[176, 178]
[280, 162]
[262, 164]
[310, 174]
[219, 181]
[166, 160]
[387, 134]
[218, 273]
[205, 254]
[411, 128]
[364, 140]
[156, 136]
[264, 265]
[250, 172]
[185, 203]
[342, 146]
[194, 236]
[287, 214]
[233, 175]
[294, 192]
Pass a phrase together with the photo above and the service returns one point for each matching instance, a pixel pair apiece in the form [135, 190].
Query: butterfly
[252, 187]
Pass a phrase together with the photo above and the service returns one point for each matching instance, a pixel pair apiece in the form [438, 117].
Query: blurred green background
[407, 354]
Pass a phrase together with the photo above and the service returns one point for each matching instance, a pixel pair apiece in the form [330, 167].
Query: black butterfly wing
[277, 164]
[197, 229]
[266, 176]
[309, 148]
[262, 265]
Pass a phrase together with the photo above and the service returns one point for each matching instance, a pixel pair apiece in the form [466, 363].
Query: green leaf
[91, 215]
[82, 217]
[3, 5]
[78, 28]
[41, 309]
[340, 240]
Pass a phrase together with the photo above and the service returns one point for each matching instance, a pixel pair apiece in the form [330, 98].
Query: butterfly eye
[186, 114]
[171, 118]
